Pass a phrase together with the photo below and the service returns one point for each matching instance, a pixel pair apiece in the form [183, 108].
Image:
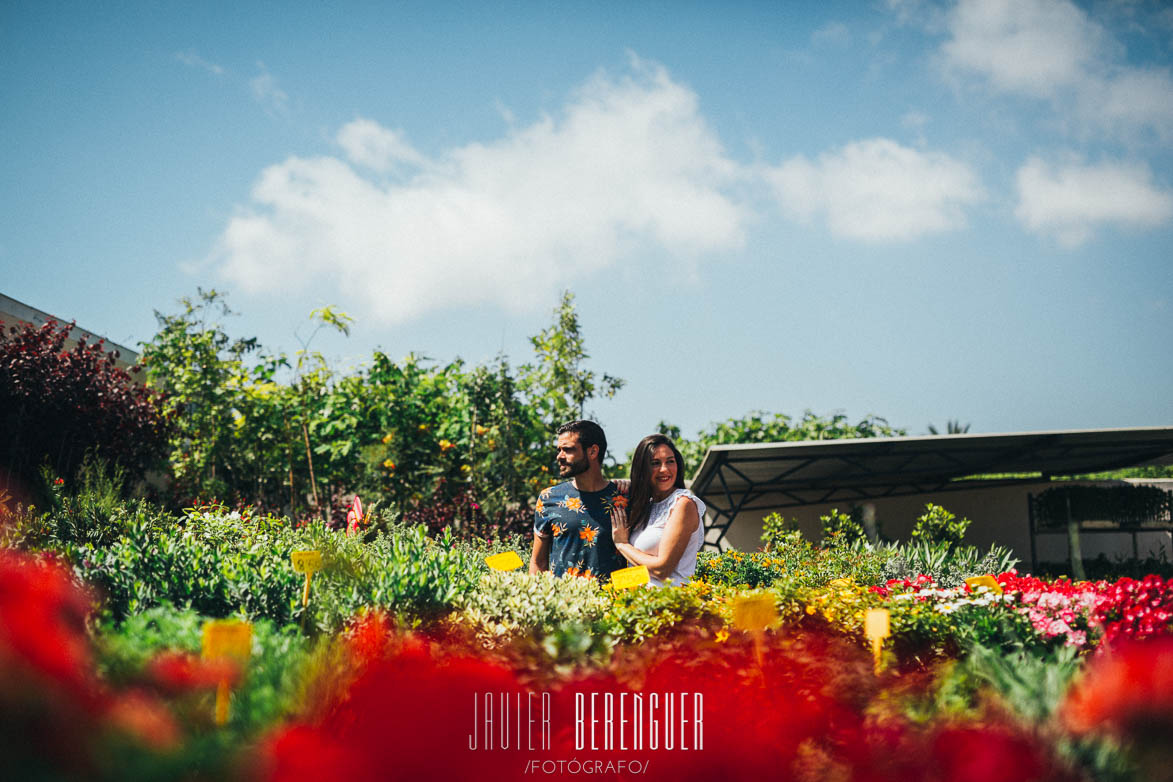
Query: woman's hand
[619, 525]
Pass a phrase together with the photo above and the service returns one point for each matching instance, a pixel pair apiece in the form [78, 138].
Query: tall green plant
[937, 525]
[557, 384]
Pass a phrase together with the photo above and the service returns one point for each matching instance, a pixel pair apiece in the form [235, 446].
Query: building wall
[1000, 515]
[13, 312]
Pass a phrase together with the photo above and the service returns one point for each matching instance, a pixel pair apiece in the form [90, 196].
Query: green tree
[951, 427]
[201, 372]
[761, 427]
[557, 384]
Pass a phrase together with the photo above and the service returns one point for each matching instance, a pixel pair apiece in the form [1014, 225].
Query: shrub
[945, 563]
[639, 614]
[779, 531]
[507, 604]
[735, 568]
[841, 529]
[128, 655]
[220, 562]
[57, 404]
[937, 525]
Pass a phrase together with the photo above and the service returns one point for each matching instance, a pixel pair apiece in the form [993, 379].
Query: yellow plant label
[984, 581]
[506, 561]
[306, 561]
[754, 613]
[876, 623]
[630, 577]
[228, 638]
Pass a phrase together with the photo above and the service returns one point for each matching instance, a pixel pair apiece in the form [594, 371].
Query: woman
[661, 527]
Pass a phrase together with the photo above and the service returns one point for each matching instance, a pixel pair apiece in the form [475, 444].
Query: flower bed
[404, 636]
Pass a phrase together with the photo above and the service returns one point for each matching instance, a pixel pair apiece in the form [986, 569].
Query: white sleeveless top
[648, 538]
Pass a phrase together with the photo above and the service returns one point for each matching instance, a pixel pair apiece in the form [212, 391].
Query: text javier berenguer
[610, 721]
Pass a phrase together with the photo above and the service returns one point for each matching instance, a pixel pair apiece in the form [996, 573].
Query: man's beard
[571, 469]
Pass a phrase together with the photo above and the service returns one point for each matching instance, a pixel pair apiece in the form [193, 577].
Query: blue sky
[918, 210]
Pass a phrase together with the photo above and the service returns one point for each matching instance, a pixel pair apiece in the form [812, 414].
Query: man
[572, 524]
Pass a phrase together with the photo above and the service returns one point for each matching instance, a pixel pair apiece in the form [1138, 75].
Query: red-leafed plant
[57, 403]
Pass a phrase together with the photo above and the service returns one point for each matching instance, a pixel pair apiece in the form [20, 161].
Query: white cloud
[629, 161]
[878, 190]
[1029, 46]
[369, 144]
[1052, 50]
[191, 59]
[267, 93]
[1069, 201]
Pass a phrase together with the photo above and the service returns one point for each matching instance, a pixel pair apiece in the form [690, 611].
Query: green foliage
[945, 563]
[1124, 504]
[206, 385]
[737, 569]
[89, 509]
[841, 529]
[639, 614]
[266, 694]
[1026, 687]
[220, 563]
[796, 562]
[951, 427]
[444, 445]
[407, 573]
[557, 383]
[761, 427]
[938, 525]
[507, 604]
[778, 531]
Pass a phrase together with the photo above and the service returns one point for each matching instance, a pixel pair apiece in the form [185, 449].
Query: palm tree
[951, 427]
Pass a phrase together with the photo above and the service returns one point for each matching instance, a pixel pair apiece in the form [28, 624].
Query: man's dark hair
[589, 433]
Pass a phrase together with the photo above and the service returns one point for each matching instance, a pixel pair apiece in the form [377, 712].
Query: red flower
[179, 672]
[1128, 691]
[42, 625]
[982, 754]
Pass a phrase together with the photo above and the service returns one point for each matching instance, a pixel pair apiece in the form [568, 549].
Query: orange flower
[540, 506]
[446, 445]
[574, 503]
[619, 501]
[558, 530]
[588, 533]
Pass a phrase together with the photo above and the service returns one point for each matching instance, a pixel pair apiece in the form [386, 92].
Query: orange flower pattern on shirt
[574, 504]
[558, 529]
[588, 534]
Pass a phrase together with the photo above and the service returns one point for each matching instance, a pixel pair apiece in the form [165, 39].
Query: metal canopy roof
[765, 476]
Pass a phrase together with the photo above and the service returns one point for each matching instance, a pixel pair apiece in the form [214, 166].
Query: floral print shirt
[579, 526]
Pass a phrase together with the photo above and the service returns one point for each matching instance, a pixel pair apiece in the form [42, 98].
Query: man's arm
[539, 560]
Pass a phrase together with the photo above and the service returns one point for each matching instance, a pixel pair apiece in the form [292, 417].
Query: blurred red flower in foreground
[179, 672]
[54, 712]
[804, 714]
[1127, 691]
[42, 627]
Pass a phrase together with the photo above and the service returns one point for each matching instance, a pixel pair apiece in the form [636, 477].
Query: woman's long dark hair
[639, 501]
